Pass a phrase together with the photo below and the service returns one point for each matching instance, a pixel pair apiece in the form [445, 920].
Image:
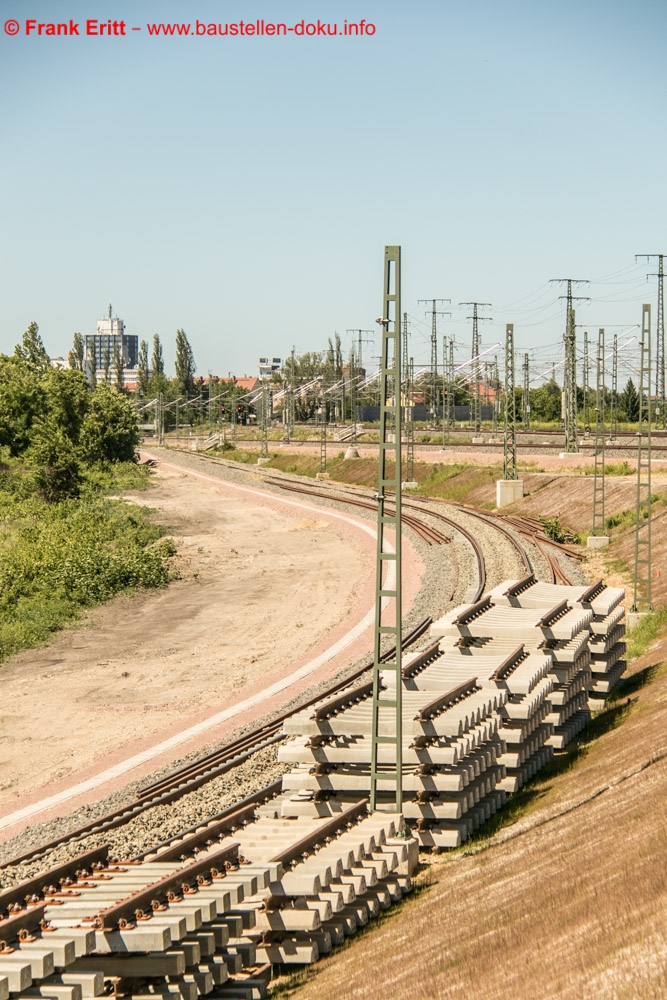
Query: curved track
[192, 776]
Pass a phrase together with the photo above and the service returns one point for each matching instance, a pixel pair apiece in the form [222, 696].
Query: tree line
[309, 373]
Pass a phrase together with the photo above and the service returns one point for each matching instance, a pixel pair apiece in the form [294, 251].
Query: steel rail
[192, 776]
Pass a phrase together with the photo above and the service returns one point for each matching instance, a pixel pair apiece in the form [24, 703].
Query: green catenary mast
[387, 724]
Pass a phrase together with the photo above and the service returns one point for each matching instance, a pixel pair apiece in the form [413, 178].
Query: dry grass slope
[569, 902]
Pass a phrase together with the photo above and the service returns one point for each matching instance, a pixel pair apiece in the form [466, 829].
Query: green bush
[553, 529]
[59, 558]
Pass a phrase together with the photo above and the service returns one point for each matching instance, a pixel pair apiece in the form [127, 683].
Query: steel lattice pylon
[264, 447]
[570, 386]
[613, 399]
[525, 399]
[387, 724]
[406, 388]
[598, 527]
[642, 582]
[509, 442]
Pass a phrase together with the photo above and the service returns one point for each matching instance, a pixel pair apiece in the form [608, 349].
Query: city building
[100, 348]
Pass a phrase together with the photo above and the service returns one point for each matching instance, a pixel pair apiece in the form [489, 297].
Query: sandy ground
[261, 587]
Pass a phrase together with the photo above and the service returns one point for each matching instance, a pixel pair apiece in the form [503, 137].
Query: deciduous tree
[109, 432]
[185, 364]
[142, 368]
[75, 356]
[32, 349]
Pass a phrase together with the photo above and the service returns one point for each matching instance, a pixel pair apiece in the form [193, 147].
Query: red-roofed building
[246, 382]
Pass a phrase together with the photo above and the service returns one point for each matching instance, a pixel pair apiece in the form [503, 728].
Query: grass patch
[456, 482]
[57, 559]
[646, 631]
[619, 469]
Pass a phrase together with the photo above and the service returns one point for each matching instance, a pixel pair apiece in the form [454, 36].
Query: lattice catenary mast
[660, 402]
[407, 386]
[598, 527]
[613, 399]
[570, 375]
[642, 582]
[387, 723]
[433, 381]
[509, 441]
[586, 380]
[525, 399]
[475, 408]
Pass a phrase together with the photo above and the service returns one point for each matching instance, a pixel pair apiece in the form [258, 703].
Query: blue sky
[244, 188]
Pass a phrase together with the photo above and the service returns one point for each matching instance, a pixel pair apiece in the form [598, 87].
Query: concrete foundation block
[409, 485]
[322, 475]
[351, 453]
[263, 461]
[478, 440]
[508, 491]
[597, 541]
[633, 618]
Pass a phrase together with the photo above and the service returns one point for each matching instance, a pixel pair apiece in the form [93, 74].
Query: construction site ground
[568, 900]
[263, 588]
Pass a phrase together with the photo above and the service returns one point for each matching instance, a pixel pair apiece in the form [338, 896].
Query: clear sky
[243, 188]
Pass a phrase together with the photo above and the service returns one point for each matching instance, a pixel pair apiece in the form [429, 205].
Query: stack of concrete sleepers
[179, 929]
[473, 729]
[551, 714]
[339, 873]
[450, 747]
[165, 929]
[606, 646]
[525, 727]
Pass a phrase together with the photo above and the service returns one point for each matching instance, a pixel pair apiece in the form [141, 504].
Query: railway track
[528, 528]
[279, 878]
[192, 776]
[192, 916]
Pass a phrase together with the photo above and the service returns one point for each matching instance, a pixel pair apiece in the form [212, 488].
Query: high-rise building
[102, 345]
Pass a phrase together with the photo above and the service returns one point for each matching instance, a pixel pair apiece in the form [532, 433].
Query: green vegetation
[455, 482]
[64, 544]
[619, 469]
[613, 469]
[645, 632]
[554, 530]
